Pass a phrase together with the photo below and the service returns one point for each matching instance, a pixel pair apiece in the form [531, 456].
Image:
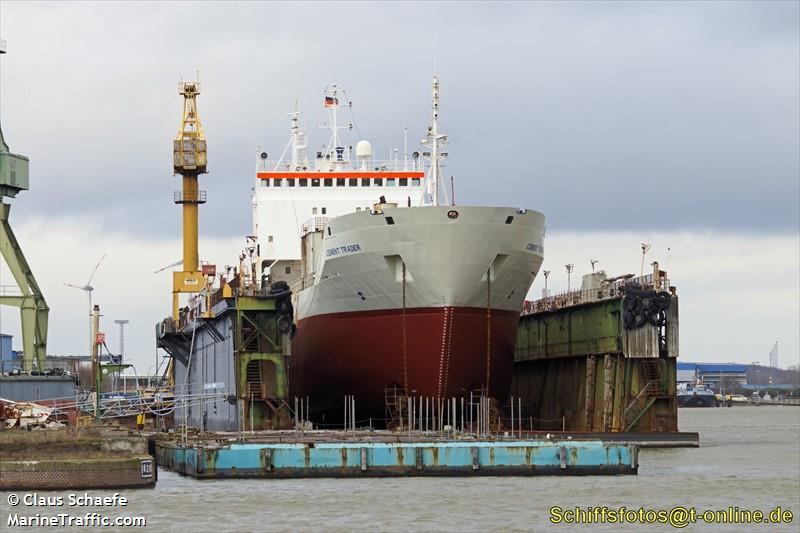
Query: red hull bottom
[361, 354]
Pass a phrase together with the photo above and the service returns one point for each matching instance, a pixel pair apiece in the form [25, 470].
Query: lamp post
[121, 338]
[645, 249]
[546, 274]
[569, 268]
[758, 364]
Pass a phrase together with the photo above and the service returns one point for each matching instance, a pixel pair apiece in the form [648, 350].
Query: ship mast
[435, 141]
[298, 141]
[335, 151]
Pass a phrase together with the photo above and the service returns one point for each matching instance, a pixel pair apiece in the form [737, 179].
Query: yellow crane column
[189, 160]
[190, 226]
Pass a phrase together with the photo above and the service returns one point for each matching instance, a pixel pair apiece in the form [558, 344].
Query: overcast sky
[675, 123]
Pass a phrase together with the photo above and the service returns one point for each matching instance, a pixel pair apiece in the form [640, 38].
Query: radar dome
[363, 150]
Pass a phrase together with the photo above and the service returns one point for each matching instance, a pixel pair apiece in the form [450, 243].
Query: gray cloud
[603, 116]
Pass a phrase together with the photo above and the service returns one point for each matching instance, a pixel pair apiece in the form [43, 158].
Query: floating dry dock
[328, 456]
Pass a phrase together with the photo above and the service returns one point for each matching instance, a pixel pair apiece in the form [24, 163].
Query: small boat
[697, 395]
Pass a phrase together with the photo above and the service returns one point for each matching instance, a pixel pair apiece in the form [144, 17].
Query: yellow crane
[189, 160]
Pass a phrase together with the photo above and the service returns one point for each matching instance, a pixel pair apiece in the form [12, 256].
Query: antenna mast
[299, 157]
[435, 141]
[335, 151]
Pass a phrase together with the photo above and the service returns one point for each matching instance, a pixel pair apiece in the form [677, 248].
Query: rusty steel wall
[578, 367]
[593, 393]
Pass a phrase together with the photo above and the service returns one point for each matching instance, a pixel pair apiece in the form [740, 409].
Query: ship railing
[606, 291]
[271, 165]
[646, 281]
[569, 298]
[313, 224]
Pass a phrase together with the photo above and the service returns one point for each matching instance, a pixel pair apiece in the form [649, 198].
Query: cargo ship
[395, 288]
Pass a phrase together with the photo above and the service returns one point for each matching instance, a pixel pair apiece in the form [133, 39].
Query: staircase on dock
[652, 390]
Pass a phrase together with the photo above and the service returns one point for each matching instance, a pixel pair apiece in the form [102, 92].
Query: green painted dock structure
[600, 359]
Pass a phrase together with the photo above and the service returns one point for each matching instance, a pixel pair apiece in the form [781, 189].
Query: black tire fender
[284, 306]
[284, 324]
[627, 319]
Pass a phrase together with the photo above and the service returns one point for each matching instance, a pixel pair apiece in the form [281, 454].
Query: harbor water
[748, 458]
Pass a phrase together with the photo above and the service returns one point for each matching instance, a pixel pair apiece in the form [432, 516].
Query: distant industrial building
[712, 374]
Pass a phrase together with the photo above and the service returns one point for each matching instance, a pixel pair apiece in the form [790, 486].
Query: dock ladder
[652, 390]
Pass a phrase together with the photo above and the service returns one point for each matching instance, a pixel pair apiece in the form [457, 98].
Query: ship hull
[453, 279]
[696, 400]
[362, 354]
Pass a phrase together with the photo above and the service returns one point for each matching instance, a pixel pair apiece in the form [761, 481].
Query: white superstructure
[292, 192]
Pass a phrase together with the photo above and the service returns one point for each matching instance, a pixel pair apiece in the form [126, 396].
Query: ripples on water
[749, 457]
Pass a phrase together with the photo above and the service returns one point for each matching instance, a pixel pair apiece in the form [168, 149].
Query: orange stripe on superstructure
[333, 175]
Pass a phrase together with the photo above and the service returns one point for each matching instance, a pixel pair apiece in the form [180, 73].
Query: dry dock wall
[579, 366]
[231, 367]
[209, 369]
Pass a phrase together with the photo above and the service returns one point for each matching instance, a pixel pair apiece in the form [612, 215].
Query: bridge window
[378, 182]
[390, 182]
[365, 182]
[329, 182]
[265, 183]
[290, 183]
[415, 182]
[303, 182]
[352, 182]
[315, 182]
[403, 182]
[324, 210]
[340, 182]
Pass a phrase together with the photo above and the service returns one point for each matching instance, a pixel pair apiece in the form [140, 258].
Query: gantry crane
[30, 301]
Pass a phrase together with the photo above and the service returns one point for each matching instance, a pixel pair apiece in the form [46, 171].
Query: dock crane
[30, 300]
[189, 160]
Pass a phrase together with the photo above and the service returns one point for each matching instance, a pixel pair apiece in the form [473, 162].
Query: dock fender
[200, 459]
[627, 319]
[284, 306]
[284, 324]
[663, 299]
